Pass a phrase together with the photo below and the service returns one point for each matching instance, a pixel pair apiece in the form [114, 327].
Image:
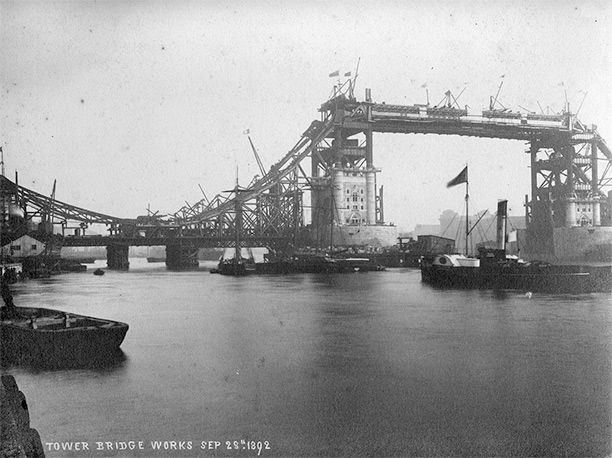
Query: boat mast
[331, 218]
[238, 224]
[467, 217]
[237, 221]
[2, 215]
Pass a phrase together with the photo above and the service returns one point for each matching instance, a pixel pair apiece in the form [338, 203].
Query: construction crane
[257, 158]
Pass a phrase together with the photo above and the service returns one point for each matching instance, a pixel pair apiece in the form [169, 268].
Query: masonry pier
[181, 255]
[117, 257]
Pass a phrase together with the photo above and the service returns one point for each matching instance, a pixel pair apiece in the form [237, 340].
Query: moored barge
[450, 271]
[494, 269]
[53, 336]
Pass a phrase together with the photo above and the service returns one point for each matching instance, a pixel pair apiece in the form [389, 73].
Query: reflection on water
[353, 364]
[107, 361]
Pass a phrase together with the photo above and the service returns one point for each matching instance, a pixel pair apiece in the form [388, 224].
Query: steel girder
[576, 170]
[269, 208]
[570, 160]
[33, 203]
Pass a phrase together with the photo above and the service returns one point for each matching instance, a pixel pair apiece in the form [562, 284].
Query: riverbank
[17, 439]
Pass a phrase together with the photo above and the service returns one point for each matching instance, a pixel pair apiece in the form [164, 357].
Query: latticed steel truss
[22, 206]
[271, 207]
[577, 170]
[34, 204]
[569, 160]
[272, 214]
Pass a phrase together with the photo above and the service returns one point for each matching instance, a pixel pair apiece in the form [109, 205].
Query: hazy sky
[131, 103]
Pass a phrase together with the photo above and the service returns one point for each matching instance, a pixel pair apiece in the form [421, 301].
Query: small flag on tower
[461, 178]
[247, 132]
[347, 74]
[333, 74]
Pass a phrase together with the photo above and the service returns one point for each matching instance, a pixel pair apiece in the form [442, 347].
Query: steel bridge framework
[570, 165]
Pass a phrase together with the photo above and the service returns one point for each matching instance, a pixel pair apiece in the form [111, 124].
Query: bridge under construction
[331, 170]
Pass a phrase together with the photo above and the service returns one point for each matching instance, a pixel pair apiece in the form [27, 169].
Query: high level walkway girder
[567, 176]
[549, 130]
[565, 155]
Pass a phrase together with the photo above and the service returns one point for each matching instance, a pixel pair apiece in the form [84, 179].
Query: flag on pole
[461, 178]
[347, 74]
[247, 132]
[333, 74]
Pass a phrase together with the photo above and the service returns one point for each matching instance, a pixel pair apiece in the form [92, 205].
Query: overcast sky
[131, 103]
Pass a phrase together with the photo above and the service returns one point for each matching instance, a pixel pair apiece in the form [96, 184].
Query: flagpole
[463, 178]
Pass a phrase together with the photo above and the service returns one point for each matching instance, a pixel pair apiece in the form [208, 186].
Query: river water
[350, 364]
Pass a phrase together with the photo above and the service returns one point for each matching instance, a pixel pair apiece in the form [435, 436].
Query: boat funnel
[502, 218]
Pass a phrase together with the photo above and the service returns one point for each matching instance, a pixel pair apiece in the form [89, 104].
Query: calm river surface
[351, 364]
